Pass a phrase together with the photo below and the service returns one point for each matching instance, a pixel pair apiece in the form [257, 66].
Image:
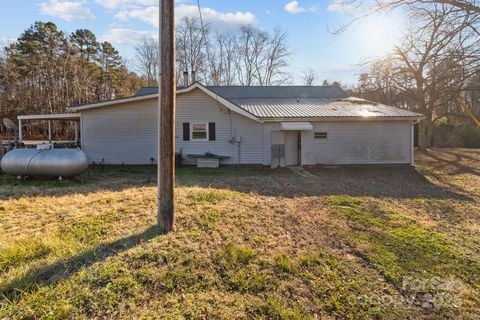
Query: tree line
[45, 70]
[437, 61]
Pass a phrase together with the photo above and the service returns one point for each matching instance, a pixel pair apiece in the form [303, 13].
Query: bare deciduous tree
[225, 57]
[262, 57]
[309, 77]
[191, 46]
[248, 56]
[146, 60]
[430, 68]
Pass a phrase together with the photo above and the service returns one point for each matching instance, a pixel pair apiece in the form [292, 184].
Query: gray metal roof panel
[238, 92]
[298, 102]
[318, 107]
[143, 91]
[146, 91]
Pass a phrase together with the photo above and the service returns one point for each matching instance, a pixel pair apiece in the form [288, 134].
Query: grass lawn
[352, 243]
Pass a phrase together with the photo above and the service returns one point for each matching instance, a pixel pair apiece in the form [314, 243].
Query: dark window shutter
[186, 131]
[211, 131]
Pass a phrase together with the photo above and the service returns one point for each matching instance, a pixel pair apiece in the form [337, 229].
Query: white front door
[292, 145]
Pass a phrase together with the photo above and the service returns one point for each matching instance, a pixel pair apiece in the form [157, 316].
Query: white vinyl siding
[127, 134]
[122, 134]
[360, 142]
[197, 107]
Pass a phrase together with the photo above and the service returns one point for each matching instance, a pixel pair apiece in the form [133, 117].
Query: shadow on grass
[383, 181]
[394, 181]
[97, 178]
[460, 168]
[52, 273]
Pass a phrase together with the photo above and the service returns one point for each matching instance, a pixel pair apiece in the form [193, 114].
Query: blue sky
[125, 22]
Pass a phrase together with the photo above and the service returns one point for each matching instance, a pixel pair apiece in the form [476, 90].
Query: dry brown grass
[249, 243]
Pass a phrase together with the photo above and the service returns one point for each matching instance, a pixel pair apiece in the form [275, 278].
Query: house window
[199, 131]
[321, 135]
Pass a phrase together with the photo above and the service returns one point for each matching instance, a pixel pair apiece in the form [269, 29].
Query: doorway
[293, 148]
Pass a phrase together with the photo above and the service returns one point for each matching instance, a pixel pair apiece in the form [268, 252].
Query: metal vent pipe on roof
[185, 78]
[194, 76]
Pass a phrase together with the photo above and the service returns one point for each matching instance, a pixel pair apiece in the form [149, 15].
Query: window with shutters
[199, 131]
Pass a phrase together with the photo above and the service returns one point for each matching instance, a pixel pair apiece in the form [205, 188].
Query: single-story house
[278, 125]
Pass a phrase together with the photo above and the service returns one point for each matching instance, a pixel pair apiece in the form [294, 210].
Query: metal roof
[146, 91]
[296, 126]
[239, 92]
[63, 116]
[277, 102]
[318, 107]
[235, 92]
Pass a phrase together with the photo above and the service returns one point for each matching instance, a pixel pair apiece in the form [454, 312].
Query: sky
[309, 24]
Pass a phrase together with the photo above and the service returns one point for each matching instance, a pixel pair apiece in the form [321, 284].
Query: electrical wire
[204, 33]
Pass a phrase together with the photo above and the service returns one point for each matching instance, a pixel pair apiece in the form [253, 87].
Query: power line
[204, 33]
[200, 14]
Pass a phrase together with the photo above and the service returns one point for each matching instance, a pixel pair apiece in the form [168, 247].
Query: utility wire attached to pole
[166, 117]
[205, 38]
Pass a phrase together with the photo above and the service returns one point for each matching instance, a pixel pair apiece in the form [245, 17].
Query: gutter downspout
[412, 149]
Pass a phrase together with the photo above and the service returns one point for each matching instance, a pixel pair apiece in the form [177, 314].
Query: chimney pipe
[194, 76]
[185, 78]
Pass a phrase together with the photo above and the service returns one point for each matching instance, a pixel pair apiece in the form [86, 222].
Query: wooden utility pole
[166, 114]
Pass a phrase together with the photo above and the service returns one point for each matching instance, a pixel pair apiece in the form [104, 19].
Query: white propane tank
[45, 162]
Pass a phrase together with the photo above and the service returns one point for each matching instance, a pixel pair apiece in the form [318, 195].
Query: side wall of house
[127, 134]
[121, 134]
[360, 142]
[199, 107]
[351, 142]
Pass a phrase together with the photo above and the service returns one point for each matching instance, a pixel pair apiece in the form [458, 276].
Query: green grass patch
[285, 264]
[249, 279]
[398, 246]
[240, 273]
[233, 255]
[250, 243]
[344, 201]
[212, 196]
[90, 230]
[274, 309]
[208, 219]
[56, 254]
[22, 251]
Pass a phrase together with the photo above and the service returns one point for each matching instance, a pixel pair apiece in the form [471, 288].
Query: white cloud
[128, 4]
[340, 6]
[218, 20]
[294, 7]
[126, 36]
[148, 15]
[111, 4]
[67, 10]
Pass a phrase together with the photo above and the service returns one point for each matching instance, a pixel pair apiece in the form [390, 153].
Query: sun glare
[376, 36]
